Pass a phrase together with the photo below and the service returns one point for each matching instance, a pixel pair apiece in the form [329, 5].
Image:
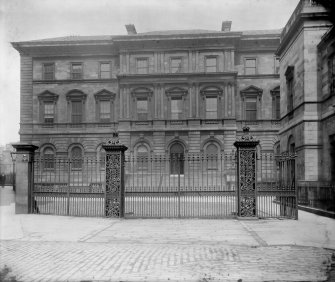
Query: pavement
[59, 248]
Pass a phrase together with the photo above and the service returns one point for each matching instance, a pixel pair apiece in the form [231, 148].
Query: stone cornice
[303, 12]
[80, 81]
[176, 75]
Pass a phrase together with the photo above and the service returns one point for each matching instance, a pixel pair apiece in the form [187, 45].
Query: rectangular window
[105, 111]
[176, 65]
[77, 111]
[76, 71]
[176, 108]
[211, 64]
[49, 112]
[276, 65]
[49, 71]
[290, 94]
[142, 108]
[142, 66]
[251, 108]
[104, 70]
[277, 105]
[250, 66]
[211, 108]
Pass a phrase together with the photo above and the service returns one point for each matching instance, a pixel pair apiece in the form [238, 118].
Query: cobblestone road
[123, 261]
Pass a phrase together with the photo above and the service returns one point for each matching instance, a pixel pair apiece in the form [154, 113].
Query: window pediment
[48, 96]
[251, 91]
[176, 91]
[141, 92]
[211, 90]
[104, 95]
[275, 91]
[76, 95]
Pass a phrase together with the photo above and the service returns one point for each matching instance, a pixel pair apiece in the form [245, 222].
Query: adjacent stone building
[306, 54]
[166, 91]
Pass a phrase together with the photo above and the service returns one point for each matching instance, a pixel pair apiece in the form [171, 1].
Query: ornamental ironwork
[246, 174]
[114, 201]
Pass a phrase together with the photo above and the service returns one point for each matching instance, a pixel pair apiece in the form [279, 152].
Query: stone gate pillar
[115, 181]
[24, 177]
[246, 174]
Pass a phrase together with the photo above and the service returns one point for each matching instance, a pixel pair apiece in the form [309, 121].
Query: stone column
[189, 61]
[127, 63]
[24, 177]
[190, 94]
[232, 54]
[115, 180]
[246, 174]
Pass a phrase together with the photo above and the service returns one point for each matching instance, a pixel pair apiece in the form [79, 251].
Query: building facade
[164, 92]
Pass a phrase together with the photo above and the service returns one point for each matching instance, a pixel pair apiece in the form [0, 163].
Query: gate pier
[115, 181]
[246, 174]
[24, 177]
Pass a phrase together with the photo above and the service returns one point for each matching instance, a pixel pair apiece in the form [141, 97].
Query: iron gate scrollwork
[114, 199]
[246, 174]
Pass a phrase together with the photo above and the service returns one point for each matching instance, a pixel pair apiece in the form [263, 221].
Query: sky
[22, 20]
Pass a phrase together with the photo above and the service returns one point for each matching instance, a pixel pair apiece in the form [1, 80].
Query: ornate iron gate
[68, 187]
[180, 186]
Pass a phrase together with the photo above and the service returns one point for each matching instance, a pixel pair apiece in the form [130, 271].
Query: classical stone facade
[306, 54]
[189, 91]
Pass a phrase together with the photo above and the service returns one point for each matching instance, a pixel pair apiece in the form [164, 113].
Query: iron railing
[169, 186]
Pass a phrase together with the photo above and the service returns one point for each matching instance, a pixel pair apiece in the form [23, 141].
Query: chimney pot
[131, 30]
[226, 26]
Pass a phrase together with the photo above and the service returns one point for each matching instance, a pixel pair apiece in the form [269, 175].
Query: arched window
[177, 159]
[77, 158]
[212, 156]
[142, 158]
[49, 158]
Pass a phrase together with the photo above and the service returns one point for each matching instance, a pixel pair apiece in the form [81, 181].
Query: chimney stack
[131, 30]
[226, 25]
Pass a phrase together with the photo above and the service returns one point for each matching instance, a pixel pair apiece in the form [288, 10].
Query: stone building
[165, 91]
[306, 54]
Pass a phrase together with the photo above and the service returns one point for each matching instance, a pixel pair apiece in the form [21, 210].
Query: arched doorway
[177, 159]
